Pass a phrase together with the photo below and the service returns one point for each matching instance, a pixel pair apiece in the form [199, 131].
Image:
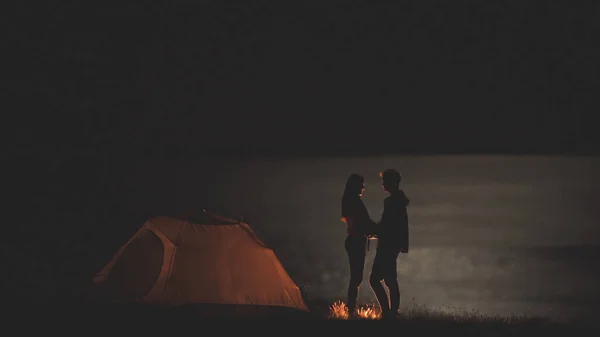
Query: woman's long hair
[354, 185]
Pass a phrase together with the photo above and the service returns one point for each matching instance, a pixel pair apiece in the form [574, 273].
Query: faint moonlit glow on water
[493, 234]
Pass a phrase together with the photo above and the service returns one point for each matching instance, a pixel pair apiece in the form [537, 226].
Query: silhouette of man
[359, 226]
[392, 233]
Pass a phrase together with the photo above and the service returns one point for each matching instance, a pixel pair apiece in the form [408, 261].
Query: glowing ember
[339, 310]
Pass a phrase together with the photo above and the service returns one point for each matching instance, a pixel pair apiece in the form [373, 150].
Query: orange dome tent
[213, 260]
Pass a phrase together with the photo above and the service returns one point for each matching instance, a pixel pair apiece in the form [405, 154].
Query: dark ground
[142, 318]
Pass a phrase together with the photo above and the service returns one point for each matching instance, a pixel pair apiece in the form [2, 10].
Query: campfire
[339, 310]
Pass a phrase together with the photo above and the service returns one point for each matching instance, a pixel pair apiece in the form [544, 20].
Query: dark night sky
[318, 77]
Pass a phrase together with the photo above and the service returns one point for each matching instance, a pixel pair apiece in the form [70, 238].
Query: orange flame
[339, 310]
[367, 312]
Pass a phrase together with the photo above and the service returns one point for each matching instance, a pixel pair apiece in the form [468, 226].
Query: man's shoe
[389, 315]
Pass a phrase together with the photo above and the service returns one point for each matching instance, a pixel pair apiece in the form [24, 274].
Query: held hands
[372, 230]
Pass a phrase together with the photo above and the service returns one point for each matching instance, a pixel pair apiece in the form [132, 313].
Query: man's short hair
[391, 175]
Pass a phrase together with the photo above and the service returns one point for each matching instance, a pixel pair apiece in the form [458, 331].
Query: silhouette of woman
[359, 227]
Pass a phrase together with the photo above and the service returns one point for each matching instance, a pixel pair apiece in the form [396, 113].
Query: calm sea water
[497, 234]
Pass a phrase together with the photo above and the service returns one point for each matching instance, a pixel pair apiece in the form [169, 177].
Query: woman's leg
[355, 247]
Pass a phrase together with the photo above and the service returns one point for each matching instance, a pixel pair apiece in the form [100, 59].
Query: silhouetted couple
[392, 239]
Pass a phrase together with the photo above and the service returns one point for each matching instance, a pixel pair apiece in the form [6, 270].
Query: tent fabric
[212, 260]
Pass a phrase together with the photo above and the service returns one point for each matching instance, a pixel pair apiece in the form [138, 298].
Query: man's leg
[391, 281]
[377, 276]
